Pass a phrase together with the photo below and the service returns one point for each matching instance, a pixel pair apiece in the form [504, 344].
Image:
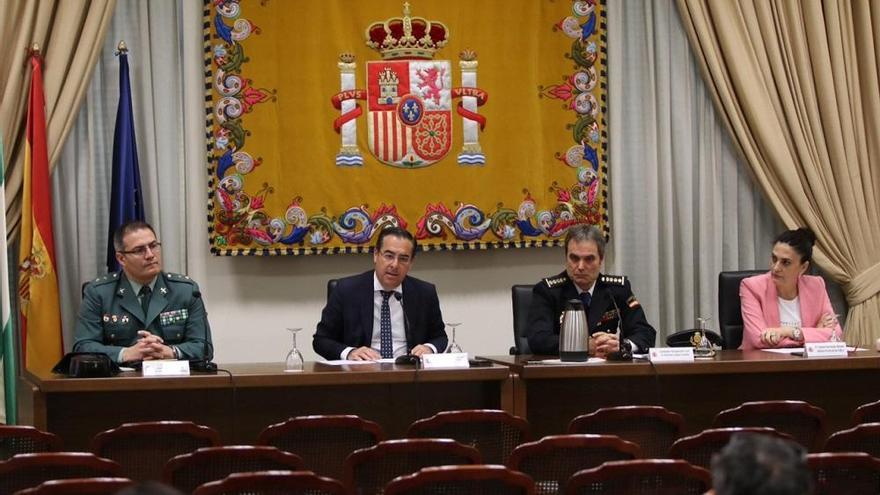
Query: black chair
[521, 296]
[331, 286]
[730, 321]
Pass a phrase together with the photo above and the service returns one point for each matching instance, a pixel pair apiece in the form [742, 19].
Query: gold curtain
[797, 84]
[70, 34]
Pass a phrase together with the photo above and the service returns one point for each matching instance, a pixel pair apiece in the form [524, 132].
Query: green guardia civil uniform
[110, 316]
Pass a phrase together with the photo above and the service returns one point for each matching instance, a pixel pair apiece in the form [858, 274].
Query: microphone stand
[624, 349]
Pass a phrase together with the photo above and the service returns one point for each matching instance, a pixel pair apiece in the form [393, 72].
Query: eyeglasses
[403, 259]
[141, 251]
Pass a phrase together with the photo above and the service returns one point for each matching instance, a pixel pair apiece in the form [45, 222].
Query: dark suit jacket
[548, 303]
[110, 316]
[347, 319]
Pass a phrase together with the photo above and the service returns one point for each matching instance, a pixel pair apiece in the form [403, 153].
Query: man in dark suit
[142, 313]
[608, 300]
[382, 313]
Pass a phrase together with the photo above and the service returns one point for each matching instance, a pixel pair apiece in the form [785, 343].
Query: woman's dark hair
[801, 240]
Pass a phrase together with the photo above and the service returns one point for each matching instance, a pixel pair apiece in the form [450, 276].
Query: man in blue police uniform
[382, 313]
[142, 313]
[608, 299]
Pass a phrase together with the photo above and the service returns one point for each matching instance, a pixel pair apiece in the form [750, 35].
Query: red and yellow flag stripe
[41, 338]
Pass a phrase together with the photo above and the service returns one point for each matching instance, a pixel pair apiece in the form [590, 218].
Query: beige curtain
[69, 33]
[797, 84]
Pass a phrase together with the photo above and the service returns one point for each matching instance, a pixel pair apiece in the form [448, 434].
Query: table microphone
[406, 358]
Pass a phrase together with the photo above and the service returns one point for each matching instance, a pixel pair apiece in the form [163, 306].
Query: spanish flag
[38, 279]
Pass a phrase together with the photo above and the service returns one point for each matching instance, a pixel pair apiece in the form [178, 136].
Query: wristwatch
[797, 334]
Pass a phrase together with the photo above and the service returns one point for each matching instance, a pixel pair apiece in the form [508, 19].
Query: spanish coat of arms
[409, 98]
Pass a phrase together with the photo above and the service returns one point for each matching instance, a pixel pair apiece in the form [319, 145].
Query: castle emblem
[409, 97]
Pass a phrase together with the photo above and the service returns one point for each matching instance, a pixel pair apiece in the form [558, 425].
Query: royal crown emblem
[409, 97]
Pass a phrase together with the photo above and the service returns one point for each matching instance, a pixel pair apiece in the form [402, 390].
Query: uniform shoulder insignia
[177, 277]
[556, 281]
[111, 278]
[614, 279]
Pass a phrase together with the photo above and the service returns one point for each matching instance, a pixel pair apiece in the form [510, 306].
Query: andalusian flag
[38, 279]
[7, 339]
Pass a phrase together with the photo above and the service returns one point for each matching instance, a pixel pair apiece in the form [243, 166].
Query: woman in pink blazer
[784, 307]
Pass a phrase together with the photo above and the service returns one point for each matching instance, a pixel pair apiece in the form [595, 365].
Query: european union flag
[126, 201]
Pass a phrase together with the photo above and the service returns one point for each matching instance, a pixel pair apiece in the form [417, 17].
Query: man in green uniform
[142, 313]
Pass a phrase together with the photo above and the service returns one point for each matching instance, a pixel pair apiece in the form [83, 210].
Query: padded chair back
[844, 472]
[804, 422]
[641, 476]
[142, 449]
[552, 460]
[331, 286]
[730, 321]
[323, 442]
[494, 433]
[462, 480]
[862, 438]
[272, 483]
[867, 413]
[79, 486]
[26, 440]
[30, 470]
[698, 449]
[367, 471]
[521, 298]
[652, 428]
[187, 471]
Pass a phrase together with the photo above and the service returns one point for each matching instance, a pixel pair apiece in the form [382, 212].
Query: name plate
[825, 349]
[165, 367]
[452, 360]
[671, 354]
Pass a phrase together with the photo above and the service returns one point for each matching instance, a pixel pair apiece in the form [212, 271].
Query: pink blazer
[760, 310]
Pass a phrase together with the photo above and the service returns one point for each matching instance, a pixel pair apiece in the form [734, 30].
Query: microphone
[204, 364]
[624, 349]
[406, 358]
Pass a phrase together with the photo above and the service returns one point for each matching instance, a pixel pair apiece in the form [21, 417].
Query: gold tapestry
[473, 124]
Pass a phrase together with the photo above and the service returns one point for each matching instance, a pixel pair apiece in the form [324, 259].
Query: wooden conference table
[242, 399]
[549, 396]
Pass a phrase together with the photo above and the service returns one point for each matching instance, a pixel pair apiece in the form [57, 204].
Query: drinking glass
[294, 360]
[453, 347]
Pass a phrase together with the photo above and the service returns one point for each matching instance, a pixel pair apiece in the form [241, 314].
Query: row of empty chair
[321, 443]
[833, 473]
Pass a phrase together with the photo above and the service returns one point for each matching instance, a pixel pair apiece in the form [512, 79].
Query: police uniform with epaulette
[110, 316]
[548, 303]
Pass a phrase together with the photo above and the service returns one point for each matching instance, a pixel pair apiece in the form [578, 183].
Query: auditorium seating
[272, 483]
[142, 449]
[462, 480]
[698, 449]
[367, 471]
[79, 486]
[26, 440]
[867, 413]
[641, 476]
[552, 460]
[861, 438]
[187, 471]
[652, 428]
[804, 422]
[493, 432]
[323, 442]
[844, 472]
[29, 470]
